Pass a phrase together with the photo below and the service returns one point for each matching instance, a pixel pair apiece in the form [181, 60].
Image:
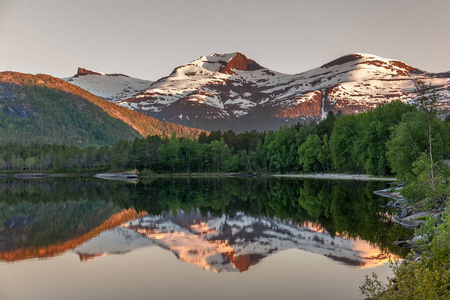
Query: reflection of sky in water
[153, 273]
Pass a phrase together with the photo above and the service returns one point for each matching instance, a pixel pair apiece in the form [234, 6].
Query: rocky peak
[240, 62]
[222, 63]
[83, 71]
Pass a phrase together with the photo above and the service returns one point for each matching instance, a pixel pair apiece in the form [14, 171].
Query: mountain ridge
[144, 125]
[231, 91]
[213, 92]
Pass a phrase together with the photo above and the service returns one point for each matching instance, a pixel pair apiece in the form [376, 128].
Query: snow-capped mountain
[229, 244]
[223, 91]
[112, 87]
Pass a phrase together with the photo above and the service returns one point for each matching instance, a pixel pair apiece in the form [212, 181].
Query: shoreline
[407, 216]
[331, 176]
[337, 176]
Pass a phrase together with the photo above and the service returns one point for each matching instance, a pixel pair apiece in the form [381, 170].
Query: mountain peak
[224, 63]
[396, 66]
[240, 62]
[83, 71]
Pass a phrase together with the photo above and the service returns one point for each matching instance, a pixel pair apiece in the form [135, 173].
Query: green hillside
[37, 114]
[141, 123]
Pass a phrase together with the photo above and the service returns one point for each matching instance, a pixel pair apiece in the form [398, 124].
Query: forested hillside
[27, 83]
[38, 114]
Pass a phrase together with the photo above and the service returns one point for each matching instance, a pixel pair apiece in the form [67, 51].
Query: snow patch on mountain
[112, 87]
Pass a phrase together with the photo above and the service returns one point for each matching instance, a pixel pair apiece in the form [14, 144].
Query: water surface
[192, 238]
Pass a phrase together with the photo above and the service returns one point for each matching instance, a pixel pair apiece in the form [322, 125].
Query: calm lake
[192, 238]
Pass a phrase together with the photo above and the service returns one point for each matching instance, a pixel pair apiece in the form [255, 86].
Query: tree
[426, 101]
[342, 143]
[119, 155]
[173, 154]
[411, 138]
[189, 150]
[309, 153]
[373, 132]
[326, 126]
[218, 154]
[419, 182]
[325, 154]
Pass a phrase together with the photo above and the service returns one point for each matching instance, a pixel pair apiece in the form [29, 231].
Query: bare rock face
[83, 71]
[311, 108]
[240, 62]
[15, 112]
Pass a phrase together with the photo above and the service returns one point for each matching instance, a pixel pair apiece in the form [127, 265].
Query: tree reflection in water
[220, 224]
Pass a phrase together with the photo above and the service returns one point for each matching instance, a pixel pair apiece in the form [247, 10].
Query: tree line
[384, 141]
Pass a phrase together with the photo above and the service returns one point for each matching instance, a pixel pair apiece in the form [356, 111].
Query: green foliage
[278, 151]
[309, 153]
[416, 151]
[435, 235]
[373, 134]
[421, 280]
[419, 182]
[147, 173]
[342, 144]
[358, 142]
[325, 154]
[325, 127]
[410, 139]
[237, 162]
[51, 116]
[427, 278]
[440, 245]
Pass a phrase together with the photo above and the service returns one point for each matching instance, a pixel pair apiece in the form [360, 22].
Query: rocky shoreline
[409, 217]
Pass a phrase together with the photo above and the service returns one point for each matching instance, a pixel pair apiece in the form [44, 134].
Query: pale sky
[148, 39]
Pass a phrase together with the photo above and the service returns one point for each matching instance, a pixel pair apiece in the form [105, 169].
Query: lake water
[192, 238]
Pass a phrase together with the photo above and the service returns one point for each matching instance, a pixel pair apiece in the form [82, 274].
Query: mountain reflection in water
[228, 244]
[218, 224]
